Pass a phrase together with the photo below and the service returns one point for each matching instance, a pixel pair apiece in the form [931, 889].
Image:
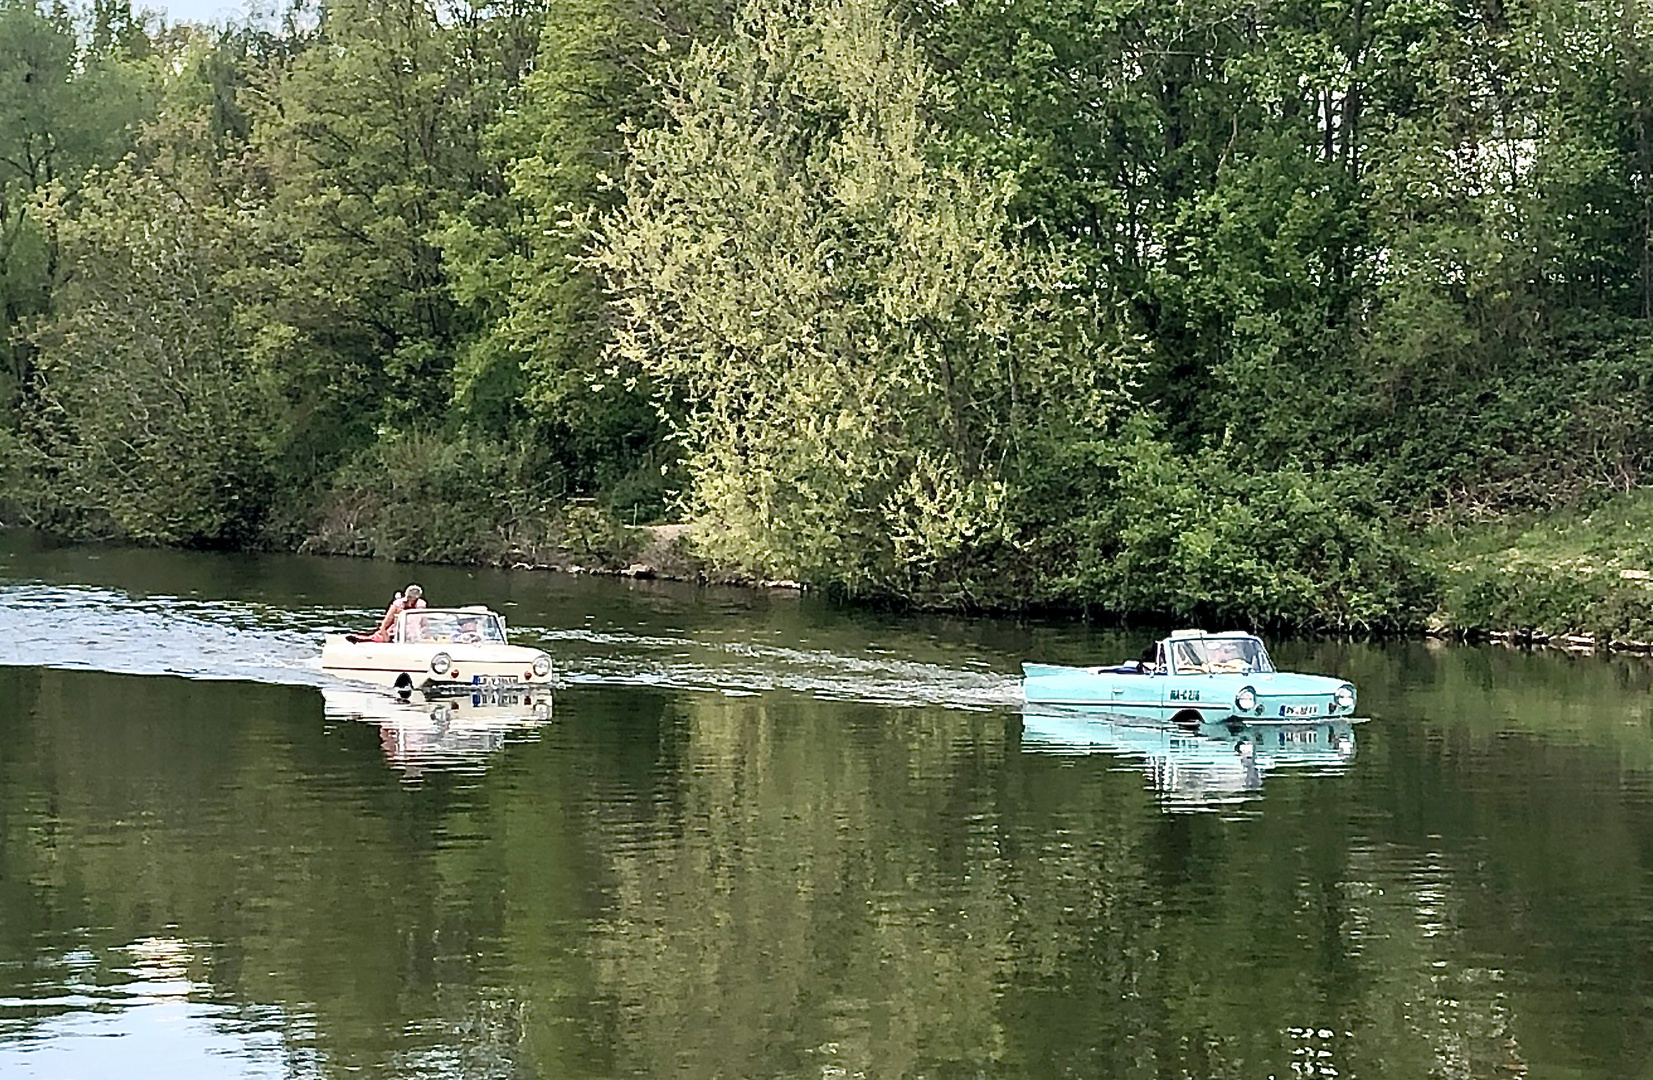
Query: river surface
[758, 836]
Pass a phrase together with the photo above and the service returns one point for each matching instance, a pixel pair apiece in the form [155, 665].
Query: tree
[62, 111]
[151, 417]
[852, 349]
[533, 370]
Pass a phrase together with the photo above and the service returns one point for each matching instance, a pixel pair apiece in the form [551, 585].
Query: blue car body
[1193, 678]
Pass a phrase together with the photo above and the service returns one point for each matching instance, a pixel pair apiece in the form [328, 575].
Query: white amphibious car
[439, 651]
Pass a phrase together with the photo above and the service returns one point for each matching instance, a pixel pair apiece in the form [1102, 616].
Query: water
[757, 836]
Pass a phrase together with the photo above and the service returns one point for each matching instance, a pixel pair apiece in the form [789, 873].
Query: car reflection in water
[1195, 768]
[445, 732]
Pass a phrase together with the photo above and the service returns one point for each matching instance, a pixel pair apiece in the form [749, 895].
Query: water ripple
[101, 629]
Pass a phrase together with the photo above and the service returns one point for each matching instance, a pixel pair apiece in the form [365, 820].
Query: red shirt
[397, 606]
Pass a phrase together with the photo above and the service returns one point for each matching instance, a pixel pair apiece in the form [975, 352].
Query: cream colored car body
[439, 651]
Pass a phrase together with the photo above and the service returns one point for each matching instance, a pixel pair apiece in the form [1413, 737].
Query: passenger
[438, 629]
[408, 599]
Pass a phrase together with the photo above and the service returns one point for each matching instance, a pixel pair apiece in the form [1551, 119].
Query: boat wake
[100, 629]
[743, 667]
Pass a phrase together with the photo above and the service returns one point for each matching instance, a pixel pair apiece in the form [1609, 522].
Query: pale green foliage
[843, 325]
[149, 415]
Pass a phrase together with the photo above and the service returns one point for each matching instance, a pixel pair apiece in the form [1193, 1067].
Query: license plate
[497, 697]
[1297, 736]
[1299, 710]
[493, 680]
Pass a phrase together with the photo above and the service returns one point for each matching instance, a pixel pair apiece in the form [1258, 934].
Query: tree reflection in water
[698, 885]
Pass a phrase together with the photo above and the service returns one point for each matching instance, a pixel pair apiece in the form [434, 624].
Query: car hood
[461, 652]
[484, 652]
[1284, 683]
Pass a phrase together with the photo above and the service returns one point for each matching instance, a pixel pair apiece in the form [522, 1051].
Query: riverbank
[650, 551]
[575, 539]
[1578, 578]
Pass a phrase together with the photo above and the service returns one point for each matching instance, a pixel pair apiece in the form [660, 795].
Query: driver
[1226, 654]
[469, 631]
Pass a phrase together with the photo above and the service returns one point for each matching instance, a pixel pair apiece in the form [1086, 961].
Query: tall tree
[62, 110]
[852, 347]
[535, 371]
[153, 420]
[366, 141]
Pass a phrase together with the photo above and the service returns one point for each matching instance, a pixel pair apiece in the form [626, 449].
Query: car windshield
[446, 627]
[1235, 653]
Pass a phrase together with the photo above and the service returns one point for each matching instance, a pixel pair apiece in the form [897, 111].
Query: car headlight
[440, 663]
[542, 665]
[1345, 697]
[1246, 699]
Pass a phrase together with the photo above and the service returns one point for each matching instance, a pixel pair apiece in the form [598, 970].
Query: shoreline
[662, 553]
[1533, 639]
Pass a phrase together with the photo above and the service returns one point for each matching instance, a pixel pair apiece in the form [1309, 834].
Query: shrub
[1188, 538]
[460, 499]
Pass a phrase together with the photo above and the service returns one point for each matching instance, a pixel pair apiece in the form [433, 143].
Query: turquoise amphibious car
[1189, 679]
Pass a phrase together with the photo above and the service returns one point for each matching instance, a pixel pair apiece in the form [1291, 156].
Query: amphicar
[439, 651]
[1189, 679]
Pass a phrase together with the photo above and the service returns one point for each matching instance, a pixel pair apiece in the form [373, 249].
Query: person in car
[408, 599]
[1227, 654]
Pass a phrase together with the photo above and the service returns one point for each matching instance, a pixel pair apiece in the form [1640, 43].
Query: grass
[1586, 570]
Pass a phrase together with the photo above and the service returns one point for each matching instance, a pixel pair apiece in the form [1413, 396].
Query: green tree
[152, 420]
[62, 111]
[365, 141]
[534, 370]
[851, 347]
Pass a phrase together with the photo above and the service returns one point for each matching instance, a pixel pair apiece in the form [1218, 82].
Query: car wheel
[1188, 720]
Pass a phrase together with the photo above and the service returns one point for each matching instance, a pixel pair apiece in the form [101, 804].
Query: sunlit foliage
[850, 345]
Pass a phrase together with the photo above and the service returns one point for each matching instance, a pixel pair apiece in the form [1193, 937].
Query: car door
[387, 655]
[1179, 690]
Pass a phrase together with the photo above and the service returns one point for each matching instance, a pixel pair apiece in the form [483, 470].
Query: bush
[1583, 570]
[1190, 539]
[464, 499]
